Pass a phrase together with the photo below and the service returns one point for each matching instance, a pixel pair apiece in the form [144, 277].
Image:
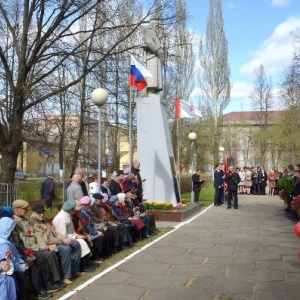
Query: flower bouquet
[30, 255]
[9, 256]
[296, 204]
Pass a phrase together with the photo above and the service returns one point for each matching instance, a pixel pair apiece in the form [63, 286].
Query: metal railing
[8, 193]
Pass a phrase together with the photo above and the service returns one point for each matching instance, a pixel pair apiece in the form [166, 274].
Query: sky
[258, 32]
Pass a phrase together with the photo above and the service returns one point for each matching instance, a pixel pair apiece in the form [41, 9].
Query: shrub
[186, 182]
[287, 184]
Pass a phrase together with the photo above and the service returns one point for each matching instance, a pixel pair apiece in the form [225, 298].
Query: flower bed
[178, 213]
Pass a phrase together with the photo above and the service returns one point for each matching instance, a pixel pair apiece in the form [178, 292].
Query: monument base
[177, 215]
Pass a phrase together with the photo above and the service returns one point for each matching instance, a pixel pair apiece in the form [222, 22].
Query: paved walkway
[249, 253]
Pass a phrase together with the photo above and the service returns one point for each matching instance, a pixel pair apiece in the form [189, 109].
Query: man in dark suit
[218, 184]
[233, 179]
[262, 178]
[197, 184]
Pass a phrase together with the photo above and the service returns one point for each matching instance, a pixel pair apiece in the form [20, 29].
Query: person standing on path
[218, 184]
[48, 190]
[233, 179]
[197, 182]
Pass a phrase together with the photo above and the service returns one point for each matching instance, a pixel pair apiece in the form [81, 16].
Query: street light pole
[99, 97]
[222, 149]
[192, 138]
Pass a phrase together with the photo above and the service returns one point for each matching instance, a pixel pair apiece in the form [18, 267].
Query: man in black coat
[115, 185]
[135, 169]
[262, 179]
[197, 182]
[233, 179]
[255, 182]
[218, 184]
[48, 190]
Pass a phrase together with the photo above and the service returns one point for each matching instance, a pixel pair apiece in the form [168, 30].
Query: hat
[38, 208]
[98, 196]
[85, 200]
[6, 211]
[132, 190]
[78, 205]
[121, 197]
[20, 204]
[69, 205]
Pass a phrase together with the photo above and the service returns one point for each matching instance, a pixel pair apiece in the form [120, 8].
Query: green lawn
[206, 195]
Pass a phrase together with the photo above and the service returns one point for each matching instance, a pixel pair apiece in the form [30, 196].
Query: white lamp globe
[221, 149]
[99, 96]
[192, 136]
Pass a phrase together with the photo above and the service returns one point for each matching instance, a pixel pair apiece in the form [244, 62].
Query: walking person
[197, 182]
[233, 179]
[48, 190]
[218, 184]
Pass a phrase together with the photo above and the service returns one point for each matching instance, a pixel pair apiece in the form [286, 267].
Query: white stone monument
[155, 151]
[154, 145]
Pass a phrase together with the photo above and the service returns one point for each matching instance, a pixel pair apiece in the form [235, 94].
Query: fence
[8, 193]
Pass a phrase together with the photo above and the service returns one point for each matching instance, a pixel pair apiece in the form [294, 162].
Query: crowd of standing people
[249, 181]
[93, 224]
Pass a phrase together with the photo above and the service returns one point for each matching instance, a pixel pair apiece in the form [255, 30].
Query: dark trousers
[49, 261]
[48, 203]
[232, 195]
[256, 189]
[98, 247]
[34, 277]
[218, 196]
[21, 281]
[196, 194]
[75, 257]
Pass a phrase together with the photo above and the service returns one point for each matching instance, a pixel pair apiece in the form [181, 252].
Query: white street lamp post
[192, 138]
[222, 149]
[99, 97]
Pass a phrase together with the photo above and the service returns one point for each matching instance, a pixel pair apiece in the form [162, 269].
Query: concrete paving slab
[245, 254]
[177, 293]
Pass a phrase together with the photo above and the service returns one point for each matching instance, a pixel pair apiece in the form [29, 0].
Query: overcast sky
[258, 31]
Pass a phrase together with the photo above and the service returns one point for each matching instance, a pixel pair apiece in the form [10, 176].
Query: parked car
[20, 175]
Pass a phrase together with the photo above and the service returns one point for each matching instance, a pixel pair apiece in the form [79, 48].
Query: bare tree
[262, 98]
[40, 37]
[214, 74]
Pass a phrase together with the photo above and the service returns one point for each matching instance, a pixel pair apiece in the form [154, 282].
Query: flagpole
[130, 128]
[178, 156]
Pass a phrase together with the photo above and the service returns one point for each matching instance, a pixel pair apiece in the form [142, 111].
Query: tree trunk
[8, 163]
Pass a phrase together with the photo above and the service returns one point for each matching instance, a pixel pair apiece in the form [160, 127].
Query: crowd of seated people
[89, 228]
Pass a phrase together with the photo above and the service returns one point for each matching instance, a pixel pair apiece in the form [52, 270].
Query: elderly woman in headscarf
[10, 260]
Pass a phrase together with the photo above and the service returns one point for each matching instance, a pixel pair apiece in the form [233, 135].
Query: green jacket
[27, 234]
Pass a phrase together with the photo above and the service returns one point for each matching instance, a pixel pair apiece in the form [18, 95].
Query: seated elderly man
[68, 251]
[32, 271]
[33, 242]
[63, 224]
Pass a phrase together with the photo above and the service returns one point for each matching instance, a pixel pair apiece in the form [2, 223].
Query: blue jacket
[6, 227]
[86, 221]
[218, 178]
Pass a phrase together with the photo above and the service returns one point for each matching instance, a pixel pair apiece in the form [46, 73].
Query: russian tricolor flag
[137, 74]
